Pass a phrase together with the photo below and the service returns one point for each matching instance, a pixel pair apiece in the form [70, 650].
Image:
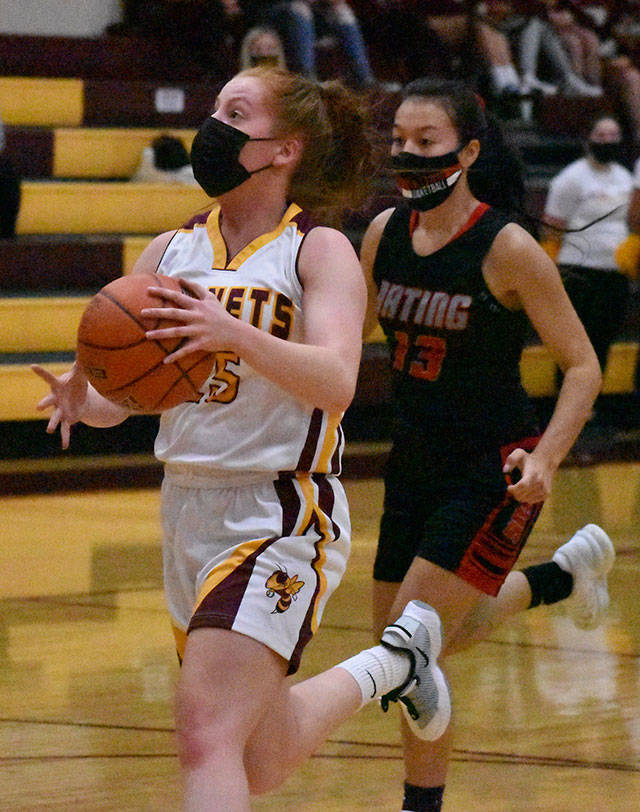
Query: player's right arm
[71, 396]
[149, 259]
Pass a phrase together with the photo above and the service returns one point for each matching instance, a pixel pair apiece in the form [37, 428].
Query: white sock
[377, 671]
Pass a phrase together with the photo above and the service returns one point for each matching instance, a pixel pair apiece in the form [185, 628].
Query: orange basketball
[122, 363]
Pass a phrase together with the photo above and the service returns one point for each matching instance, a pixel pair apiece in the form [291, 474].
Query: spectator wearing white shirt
[585, 222]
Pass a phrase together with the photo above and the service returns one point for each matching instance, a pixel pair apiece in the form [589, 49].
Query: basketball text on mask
[406, 305]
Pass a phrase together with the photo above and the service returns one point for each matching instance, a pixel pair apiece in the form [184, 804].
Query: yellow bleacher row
[49, 324]
[78, 207]
[39, 102]
[104, 152]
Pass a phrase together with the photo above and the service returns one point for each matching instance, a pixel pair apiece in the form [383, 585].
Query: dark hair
[169, 152]
[497, 176]
[336, 169]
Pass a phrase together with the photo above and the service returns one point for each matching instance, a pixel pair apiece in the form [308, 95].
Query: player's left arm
[521, 275]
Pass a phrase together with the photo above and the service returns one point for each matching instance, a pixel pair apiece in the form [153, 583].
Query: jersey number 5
[428, 359]
[223, 386]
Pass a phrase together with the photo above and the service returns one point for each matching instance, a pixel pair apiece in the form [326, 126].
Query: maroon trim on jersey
[476, 214]
[311, 443]
[289, 502]
[305, 224]
[197, 220]
[326, 500]
[326, 503]
[219, 607]
[336, 459]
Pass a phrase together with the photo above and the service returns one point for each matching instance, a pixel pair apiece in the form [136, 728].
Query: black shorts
[455, 513]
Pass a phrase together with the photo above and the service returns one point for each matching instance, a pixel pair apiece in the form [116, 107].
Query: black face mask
[605, 153]
[215, 157]
[266, 61]
[426, 182]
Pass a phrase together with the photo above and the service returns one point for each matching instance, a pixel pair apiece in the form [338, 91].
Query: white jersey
[580, 194]
[244, 425]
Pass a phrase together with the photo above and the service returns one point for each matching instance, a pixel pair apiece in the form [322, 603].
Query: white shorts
[261, 559]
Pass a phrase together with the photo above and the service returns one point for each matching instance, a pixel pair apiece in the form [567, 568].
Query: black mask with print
[426, 182]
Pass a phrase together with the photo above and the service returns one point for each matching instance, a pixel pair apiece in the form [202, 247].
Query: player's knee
[202, 733]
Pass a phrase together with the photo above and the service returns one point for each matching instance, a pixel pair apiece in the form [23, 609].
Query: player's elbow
[338, 395]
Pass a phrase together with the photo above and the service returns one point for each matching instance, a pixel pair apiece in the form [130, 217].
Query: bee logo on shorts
[286, 588]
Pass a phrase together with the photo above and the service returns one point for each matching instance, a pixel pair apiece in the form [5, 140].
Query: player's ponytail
[336, 170]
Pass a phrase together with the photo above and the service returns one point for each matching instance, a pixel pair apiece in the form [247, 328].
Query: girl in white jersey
[256, 525]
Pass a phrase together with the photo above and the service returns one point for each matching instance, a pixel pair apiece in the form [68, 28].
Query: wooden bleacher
[87, 207]
[83, 152]
[48, 102]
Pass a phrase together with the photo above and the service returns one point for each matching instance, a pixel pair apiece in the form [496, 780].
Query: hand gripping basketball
[126, 366]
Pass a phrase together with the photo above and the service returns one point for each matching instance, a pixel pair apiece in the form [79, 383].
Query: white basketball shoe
[424, 695]
[588, 556]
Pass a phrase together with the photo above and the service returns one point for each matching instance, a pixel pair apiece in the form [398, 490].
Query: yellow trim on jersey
[309, 497]
[330, 442]
[219, 573]
[216, 238]
[180, 636]
[220, 258]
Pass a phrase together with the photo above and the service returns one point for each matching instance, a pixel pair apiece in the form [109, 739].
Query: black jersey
[455, 350]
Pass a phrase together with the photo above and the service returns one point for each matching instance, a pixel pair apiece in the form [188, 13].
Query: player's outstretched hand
[67, 397]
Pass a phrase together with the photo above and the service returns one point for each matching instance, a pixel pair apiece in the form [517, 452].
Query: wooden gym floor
[548, 717]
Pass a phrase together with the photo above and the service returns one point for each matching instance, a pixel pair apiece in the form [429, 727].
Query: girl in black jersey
[453, 282]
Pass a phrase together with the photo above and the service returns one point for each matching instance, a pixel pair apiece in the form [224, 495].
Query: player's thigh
[226, 681]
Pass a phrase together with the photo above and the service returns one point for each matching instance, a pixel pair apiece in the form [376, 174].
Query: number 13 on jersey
[427, 363]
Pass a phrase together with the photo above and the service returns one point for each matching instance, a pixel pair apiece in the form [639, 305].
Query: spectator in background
[9, 191]
[165, 161]
[300, 23]
[422, 50]
[615, 24]
[539, 48]
[581, 42]
[585, 222]
[198, 35]
[261, 46]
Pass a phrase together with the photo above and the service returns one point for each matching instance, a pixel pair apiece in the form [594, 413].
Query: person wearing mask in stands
[585, 221]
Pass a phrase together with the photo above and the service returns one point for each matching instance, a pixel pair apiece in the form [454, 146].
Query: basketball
[121, 363]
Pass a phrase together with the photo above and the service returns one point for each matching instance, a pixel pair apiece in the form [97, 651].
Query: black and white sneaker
[425, 698]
